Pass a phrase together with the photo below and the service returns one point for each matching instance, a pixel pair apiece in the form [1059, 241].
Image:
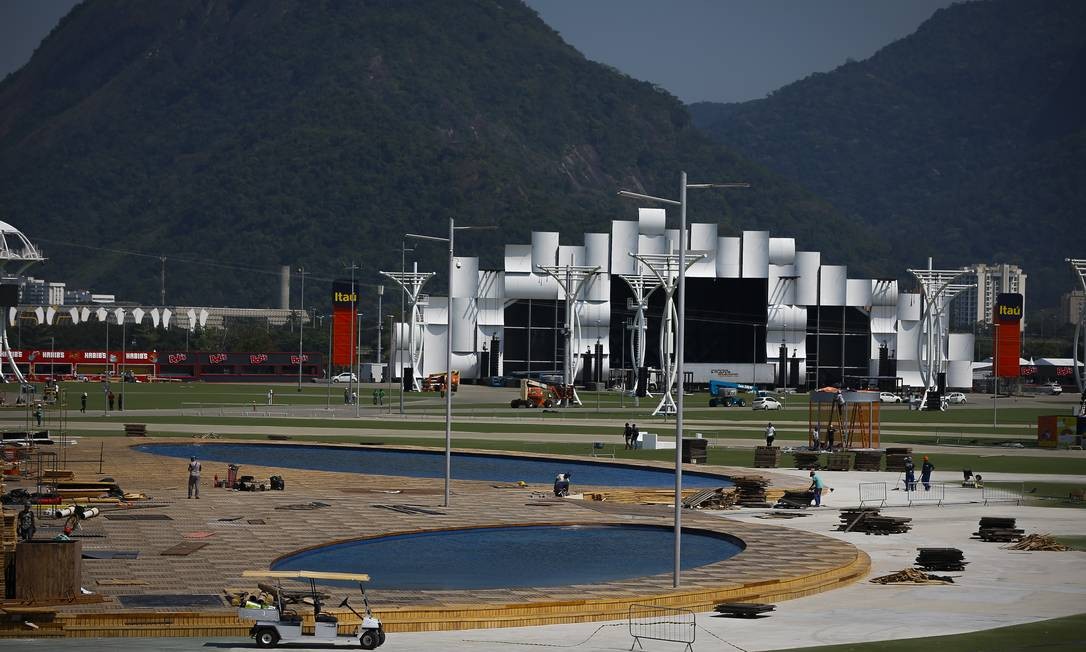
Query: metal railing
[652, 622]
[873, 492]
[929, 493]
[1003, 493]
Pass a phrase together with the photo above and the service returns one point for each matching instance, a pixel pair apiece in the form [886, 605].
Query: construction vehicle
[725, 393]
[534, 394]
[436, 382]
[280, 623]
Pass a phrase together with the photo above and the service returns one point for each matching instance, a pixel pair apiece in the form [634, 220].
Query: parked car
[766, 403]
[345, 377]
[887, 397]
[956, 398]
[1055, 389]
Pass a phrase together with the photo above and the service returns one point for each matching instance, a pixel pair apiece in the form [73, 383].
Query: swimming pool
[431, 464]
[514, 557]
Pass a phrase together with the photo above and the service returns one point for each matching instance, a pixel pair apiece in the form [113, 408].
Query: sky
[716, 50]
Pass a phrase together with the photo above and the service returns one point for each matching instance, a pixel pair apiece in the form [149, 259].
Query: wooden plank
[183, 549]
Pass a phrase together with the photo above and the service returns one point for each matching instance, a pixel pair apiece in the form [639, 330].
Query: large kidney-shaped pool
[512, 557]
[431, 464]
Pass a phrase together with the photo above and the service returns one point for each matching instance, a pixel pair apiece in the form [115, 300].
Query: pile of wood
[794, 500]
[752, 491]
[895, 458]
[868, 460]
[767, 457]
[840, 462]
[941, 559]
[912, 576]
[1038, 543]
[869, 521]
[806, 459]
[719, 498]
[998, 529]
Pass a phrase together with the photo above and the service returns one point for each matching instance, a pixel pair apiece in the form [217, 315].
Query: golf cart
[276, 624]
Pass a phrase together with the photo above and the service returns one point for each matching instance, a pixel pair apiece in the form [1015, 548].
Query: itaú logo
[1010, 311]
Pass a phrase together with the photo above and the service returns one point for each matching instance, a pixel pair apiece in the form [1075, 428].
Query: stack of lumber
[806, 459]
[1038, 542]
[895, 458]
[752, 491]
[767, 457]
[840, 462]
[999, 529]
[719, 498]
[869, 521]
[794, 500]
[941, 559]
[744, 609]
[868, 460]
[911, 576]
[723, 498]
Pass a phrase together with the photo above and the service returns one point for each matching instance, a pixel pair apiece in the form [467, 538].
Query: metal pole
[380, 326]
[388, 374]
[124, 357]
[448, 369]
[680, 334]
[403, 299]
[358, 358]
[354, 311]
[328, 369]
[301, 326]
[995, 373]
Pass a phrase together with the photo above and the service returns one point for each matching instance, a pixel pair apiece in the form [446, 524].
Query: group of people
[378, 396]
[925, 474]
[631, 434]
[349, 397]
[816, 439]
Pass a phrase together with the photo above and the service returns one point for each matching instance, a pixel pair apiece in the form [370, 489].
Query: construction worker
[910, 474]
[38, 412]
[925, 473]
[26, 525]
[83, 403]
[194, 477]
[770, 434]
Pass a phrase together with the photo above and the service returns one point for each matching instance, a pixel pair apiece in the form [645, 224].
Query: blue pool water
[510, 557]
[427, 464]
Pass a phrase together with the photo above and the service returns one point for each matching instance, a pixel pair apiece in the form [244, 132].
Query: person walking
[770, 435]
[194, 478]
[26, 526]
[626, 431]
[635, 434]
[925, 473]
[120, 402]
[830, 432]
[38, 413]
[816, 438]
[346, 396]
[83, 403]
[910, 474]
[375, 397]
[381, 397]
[271, 395]
[111, 397]
[817, 485]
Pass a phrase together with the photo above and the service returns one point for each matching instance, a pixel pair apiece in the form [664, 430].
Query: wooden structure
[853, 416]
[48, 571]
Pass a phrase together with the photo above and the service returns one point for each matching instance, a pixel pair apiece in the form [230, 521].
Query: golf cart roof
[307, 575]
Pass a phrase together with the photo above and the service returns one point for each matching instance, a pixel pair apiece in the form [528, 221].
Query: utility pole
[301, 325]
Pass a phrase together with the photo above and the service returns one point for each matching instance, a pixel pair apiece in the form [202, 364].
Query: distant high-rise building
[975, 305]
[1072, 304]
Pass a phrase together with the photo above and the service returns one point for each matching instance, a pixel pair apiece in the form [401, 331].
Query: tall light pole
[380, 326]
[354, 312]
[301, 325]
[680, 335]
[449, 340]
[403, 300]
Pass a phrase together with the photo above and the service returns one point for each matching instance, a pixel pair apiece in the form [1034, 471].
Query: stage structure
[1079, 265]
[642, 287]
[17, 254]
[665, 267]
[571, 280]
[412, 283]
[938, 288]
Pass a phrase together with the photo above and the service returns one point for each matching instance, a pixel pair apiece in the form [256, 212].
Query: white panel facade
[782, 287]
[883, 319]
[908, 306]
[651, 244]
[909, 373]
[651, 221]
[908, 341]
[858, 293]
[491, 312]
[623, 243]
[833, 284]
[728, 257]
[672, 246]
[531, 286]
[464, 315]
[959, 374]
[544, 248]
[518, 258]
[597, 250]
[782, 251]
[807, 264]
[755, 254]
[960, 347]
[571, 255]
[491, 284]
[465, 280]
[883, 293]
[590, 313]
[703, 238]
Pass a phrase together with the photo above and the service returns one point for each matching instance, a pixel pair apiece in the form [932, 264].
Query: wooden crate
[48, 571]
[767, 457]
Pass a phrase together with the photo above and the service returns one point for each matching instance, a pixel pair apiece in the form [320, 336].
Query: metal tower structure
[642, 287]
[938, 288]
[412, 283]
[571, 278]
[665, 267]
[17, 254]
[1079, 265]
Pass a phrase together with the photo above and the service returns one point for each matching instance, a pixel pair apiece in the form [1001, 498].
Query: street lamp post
[380, 326]
[301, 325]
[350, 364]
[449, 340]
[680, 337]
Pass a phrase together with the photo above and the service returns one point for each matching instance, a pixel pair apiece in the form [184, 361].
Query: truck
[725, 393]
[534, 394]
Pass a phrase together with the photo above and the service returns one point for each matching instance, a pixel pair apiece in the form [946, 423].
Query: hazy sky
[721, 50]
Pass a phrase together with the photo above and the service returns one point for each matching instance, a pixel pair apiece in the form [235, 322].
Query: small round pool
[514, 557]
[431, 464]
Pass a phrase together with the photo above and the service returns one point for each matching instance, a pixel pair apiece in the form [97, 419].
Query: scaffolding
[853, 417]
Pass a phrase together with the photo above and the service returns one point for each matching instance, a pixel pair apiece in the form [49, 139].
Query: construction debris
[751, 490]
[912, 576]
[998, 529]
[718, 498]
[1038, 543]
[767, 457]
[868, 460]
[868, 521]
[839, 461]
[895, 458]
[744, 609]
[807, 459]
[941, 559]
[795, 500]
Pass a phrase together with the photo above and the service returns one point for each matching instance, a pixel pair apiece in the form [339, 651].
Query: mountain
[964, 140]
[254, 133]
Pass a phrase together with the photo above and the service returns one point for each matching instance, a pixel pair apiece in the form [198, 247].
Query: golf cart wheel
[266, 637]
[369, 639]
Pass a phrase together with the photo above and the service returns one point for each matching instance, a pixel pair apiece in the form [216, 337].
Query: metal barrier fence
[873, 492]
[920, 494]
[1003, 493]
[657, 623]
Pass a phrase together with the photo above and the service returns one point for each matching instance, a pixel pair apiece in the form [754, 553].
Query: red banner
[343, 336]
[1007, 319]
